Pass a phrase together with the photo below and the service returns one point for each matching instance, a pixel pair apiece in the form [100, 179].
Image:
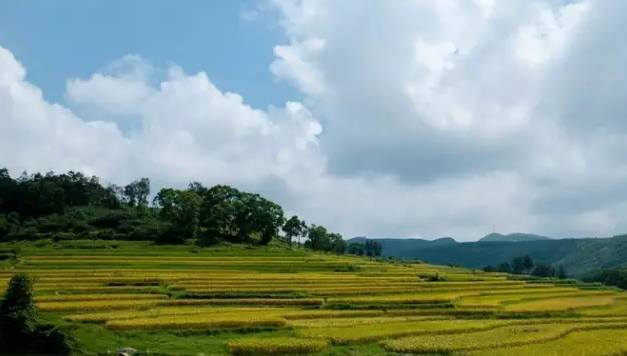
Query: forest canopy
[75, 206]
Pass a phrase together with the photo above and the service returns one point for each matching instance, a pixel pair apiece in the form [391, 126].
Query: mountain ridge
[580, 257]
[513, 237]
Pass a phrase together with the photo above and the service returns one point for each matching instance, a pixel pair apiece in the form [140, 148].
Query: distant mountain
[397, 246]
[515, 237]
[579, 257]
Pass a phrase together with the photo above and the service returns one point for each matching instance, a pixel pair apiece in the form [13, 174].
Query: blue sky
[61, 39]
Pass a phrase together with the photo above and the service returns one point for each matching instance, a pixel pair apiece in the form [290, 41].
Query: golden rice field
[235, 300]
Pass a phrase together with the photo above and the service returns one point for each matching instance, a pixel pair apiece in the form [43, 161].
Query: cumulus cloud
[433, 93]
[40, 136]
[120, 91]
[419, 118]
[189, 130]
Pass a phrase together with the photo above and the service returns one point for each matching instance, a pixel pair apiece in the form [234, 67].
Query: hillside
[240, 299]
[578, 256]
[398, 247]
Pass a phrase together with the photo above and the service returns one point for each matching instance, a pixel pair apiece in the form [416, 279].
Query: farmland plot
[178, 300]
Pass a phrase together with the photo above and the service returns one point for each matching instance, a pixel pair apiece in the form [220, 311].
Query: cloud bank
[418, 118]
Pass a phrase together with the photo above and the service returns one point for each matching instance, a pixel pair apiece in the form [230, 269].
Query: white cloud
[419, 118]
[37, 135]
[190, 130]
[122, 92]
[437, 93]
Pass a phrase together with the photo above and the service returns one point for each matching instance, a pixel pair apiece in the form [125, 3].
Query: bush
[63, 236]
[17, 312]
[169, 235]
[19, 330]
[145, 232]
[111, 220]
[29, 233]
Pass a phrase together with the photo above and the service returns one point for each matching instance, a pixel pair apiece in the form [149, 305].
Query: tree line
[75, 206]
[526, 265]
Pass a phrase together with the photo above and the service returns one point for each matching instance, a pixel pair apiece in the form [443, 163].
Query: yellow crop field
[584, 342]
[256, 346]
[505, 336]
[368, 333]
[196, 321]
[301, 302]
[564, 303]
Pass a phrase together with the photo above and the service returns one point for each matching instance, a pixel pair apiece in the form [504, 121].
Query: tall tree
[294, 227]
[528, 263]
[338, 245]
[17, 311]
[505, 267]
[240, 217]
[373, 248]
[136, 193]
[181, 208]
[318, 238]
[518, 265]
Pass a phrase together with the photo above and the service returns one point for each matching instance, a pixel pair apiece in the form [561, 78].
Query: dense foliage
[74, 206]
[370, 248]
[20, 331]
[579, 257]
[526, 265]
[612, 277]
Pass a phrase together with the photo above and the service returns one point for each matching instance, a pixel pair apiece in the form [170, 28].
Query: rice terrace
[278, 300]
[313, 177]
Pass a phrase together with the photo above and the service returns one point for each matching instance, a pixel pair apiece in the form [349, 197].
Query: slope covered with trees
[579, 257]
[74, 206]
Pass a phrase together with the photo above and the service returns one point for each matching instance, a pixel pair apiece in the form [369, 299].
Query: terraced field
[212, 301]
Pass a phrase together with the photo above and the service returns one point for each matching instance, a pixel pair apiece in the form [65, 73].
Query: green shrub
[19, 330]
[17, 311]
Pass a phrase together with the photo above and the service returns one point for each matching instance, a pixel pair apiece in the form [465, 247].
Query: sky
[397, 119]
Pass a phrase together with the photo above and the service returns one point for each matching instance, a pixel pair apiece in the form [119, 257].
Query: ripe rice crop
[268, 346]
[319, 314]
[335, 322]
[561, 303]
[619, 307]
[315, 298]
[417, 298]
[504, 336]
[584, 342]
[369, 333]
[101, 317]
[90, 297]
[246, 301]
[196, 322]
[95, 305]
[497, 299]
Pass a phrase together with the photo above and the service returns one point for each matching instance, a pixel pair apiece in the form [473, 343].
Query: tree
[197, 187]
[294, 227]
[181, 208]
[561, 272]
[518, 265]
[373, 248]
[542, 270]
[318, 238]
[20, 333]
[356, 249]
[490, 268]
[338, 245]
[17, 311]
[527, 264]
[505, 267]
[136, 193]
[240, 217]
